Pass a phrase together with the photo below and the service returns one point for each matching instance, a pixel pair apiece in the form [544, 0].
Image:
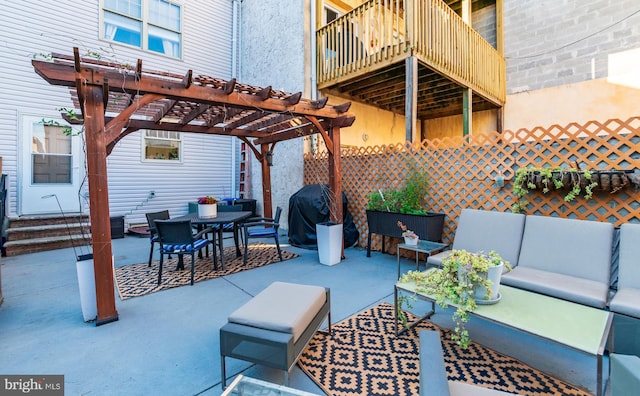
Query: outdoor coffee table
[576, 326]
[248, 386]
[426, 247]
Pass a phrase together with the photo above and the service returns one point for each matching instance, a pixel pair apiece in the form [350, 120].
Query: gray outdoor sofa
[565, 258]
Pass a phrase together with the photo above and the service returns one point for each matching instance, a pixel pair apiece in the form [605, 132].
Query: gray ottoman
[274, 327]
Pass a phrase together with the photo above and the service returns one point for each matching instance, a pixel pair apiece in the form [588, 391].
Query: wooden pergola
[114, 100]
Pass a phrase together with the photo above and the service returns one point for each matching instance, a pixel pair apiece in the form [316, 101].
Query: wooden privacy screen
[462, 170]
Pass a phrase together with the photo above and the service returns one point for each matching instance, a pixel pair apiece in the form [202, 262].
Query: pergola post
[99, 202]
[335, 175]
[335, 180]
[266, 182]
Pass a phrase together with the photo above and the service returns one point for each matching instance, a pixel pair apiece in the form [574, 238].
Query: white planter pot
[87, 286]
[411, 241]
[207, 211]
[494, 274]
[330, 238]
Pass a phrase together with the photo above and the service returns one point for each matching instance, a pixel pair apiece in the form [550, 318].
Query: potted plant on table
[208, 207]
[410, 237]
[465, 280]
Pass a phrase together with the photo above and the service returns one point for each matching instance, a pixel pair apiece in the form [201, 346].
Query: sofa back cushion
[578, 248]
[629, 261]
[484, 230]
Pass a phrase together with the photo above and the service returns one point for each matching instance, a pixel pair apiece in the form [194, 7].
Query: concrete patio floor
[167, 343]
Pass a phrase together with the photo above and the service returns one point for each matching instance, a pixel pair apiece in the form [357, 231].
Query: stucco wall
[274, 45]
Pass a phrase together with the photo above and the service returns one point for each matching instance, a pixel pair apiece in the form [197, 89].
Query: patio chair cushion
[187, 247]
[283, 307]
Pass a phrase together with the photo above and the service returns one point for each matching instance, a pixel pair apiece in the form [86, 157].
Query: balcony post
[411, 98]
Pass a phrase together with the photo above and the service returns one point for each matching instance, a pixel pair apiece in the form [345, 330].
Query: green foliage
[455, 283]
[548, 179]
[66, 129]
[410, 198]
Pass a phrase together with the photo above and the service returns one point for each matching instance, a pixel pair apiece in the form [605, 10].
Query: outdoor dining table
[221, 219]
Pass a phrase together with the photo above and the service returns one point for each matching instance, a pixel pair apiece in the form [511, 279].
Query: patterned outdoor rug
[364, 357]
[139, 279]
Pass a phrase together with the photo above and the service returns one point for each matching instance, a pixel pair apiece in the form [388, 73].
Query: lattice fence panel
[462, 171]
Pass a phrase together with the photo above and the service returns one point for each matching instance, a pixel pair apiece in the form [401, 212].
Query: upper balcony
[361, 56]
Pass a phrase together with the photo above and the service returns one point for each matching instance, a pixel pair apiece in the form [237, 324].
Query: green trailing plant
[578, 182]
[462, 272]
[70, 114]
[410, 198]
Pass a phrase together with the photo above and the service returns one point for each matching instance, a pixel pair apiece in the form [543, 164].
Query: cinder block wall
[551, 43]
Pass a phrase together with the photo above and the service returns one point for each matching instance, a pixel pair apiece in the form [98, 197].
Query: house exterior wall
[275, 42]
[48, 26]
[567, 61]
[571, 61]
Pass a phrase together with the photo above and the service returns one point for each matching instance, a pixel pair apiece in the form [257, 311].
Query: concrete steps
[30, 234]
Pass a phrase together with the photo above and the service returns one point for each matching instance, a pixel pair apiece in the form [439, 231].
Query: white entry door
[51, 172]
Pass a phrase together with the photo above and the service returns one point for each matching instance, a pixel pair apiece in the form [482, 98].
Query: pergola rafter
[115, 100]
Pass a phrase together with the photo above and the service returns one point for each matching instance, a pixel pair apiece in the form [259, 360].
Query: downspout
[235, 190]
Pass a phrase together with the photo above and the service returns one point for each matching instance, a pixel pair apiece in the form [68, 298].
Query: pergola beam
[65, 75]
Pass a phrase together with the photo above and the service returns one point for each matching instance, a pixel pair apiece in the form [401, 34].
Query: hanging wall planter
[573, 182]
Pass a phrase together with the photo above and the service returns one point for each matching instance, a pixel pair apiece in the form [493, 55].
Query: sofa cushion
[486, 230]
[436, 259]
[580, 290]
[626, 301]
[578, 248]
[284, 307]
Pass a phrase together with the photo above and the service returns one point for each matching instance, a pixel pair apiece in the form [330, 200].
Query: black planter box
[427, 226]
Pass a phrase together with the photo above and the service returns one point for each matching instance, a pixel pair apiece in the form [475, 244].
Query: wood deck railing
[382, 32]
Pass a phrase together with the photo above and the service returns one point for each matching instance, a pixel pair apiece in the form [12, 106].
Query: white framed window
[162, 146]
[154, 25]
[329, 14]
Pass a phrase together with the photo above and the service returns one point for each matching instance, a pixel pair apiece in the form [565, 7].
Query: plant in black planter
[407, 204]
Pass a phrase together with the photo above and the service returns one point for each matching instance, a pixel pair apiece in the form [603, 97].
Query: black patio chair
[262, 227]
[153, 234]
[230, 227]
[176, 237]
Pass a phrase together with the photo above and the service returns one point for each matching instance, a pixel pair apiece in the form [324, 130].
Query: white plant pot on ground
[329, 236]
[87, 286]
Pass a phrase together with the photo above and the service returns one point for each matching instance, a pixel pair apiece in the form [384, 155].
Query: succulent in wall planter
[465, 280]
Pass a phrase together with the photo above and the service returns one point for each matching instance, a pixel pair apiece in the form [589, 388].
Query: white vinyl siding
[154, 25]
[26, 30]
